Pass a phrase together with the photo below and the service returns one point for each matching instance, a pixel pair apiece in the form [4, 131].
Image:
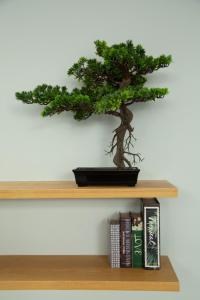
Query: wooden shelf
[69, 189]
[86, 272]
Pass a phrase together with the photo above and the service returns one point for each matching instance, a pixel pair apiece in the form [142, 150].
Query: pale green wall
[39, 40]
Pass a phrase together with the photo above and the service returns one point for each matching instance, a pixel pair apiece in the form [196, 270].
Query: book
[151, 217]
[137, 240]
[114, 237]
[125, 240]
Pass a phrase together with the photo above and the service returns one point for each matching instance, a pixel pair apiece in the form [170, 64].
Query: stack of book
[135, 237]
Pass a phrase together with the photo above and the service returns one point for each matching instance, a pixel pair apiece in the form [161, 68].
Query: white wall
[39, 41]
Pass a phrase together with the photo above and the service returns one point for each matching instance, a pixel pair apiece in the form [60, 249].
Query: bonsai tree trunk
[122, 139]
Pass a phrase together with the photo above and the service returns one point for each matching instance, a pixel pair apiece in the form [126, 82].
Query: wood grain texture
[86, 272]
[69, 190]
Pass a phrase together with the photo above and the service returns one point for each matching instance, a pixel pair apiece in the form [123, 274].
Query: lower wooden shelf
[80, 272]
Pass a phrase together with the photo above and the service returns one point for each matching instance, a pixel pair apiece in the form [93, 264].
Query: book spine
[137, 241]
[115, 245]
[125, 242]
[151, 215]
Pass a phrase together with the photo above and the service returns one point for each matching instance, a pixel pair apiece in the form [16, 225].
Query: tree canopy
[117, 77]
[109, 84]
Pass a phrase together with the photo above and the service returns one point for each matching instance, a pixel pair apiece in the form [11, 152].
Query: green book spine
[137, 241]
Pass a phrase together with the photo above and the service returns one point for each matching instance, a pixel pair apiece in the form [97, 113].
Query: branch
[132, 101]
[112, 148]
[127, 161]
[128, 141]
[135, 156]
[113, 144]
[113, 113]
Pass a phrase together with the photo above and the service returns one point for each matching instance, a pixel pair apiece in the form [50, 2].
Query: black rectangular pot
[106, 176]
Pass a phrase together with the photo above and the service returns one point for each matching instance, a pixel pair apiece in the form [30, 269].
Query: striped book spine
[114, 244]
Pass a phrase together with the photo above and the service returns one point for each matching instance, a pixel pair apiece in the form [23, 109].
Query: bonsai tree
[109, 85]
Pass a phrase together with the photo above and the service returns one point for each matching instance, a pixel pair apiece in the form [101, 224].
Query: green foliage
[117, 78]
[112, 101]
[42, 94]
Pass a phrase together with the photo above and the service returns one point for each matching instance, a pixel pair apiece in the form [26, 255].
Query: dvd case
[151, 217]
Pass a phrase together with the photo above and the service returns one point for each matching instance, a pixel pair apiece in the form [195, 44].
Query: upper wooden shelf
[69, 190]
